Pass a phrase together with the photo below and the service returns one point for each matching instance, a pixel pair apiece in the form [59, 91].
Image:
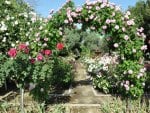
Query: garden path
[82, 97]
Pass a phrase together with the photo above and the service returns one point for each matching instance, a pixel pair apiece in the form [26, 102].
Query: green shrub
[132, 80]
[15, 22]
[62, 74]
[2, 69]
[41, 79]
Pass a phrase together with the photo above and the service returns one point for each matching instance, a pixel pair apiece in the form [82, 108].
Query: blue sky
[44, 6]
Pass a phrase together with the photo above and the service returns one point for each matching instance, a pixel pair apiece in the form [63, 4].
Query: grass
[121, 106]
[11, 105]
[32, 108]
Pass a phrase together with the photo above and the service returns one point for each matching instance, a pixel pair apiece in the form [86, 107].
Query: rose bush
[15, 23]
[123, 36]
[102, 71]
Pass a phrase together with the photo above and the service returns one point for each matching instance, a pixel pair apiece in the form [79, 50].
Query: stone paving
[82, 96]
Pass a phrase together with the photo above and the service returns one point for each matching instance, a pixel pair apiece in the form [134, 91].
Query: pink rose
[39, 57]
[126, 37]
[47, 52]
[60, 46]
[144, 47]
[24, 48]
[104, 27]
[108, 21]
[97, 8]
[12, 52]
[130, 22]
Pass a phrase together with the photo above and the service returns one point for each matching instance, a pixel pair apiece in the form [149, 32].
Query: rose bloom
[117, 27]
[39, 57]
[66, 21]
[45, 39]
[134, 50]
[130, 72]
[47, 52]
[12, 52]
[60, 46]
[126, 87]
[24, 47]
[97, 8]
[104, 27]
[32, 60]
[91, 17]
[144, 47]
[126, 37]
[116, 45]
[130, 22]
[108, 21]
[123, 29]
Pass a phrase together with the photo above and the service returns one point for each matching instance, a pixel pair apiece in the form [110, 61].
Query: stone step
[88, 100]
[82, 108]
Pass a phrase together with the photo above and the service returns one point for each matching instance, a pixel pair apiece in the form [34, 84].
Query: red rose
[60, 46]
[39, 57]
[24, 48]
[47, 52]
[12, 52]
[32, 60]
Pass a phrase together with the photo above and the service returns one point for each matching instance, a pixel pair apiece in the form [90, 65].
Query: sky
[43, 7]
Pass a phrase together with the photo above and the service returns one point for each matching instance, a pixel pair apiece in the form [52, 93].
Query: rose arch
[123, 37]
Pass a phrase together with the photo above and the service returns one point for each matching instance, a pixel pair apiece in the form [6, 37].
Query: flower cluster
[22, 47]
[15, 23]
[101, 63]
[100, 70]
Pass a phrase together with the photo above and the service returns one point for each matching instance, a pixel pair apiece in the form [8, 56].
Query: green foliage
[141, 13]
[132, 79]
[17, 70]
[15, 22]
[2, 69]
[42, 78]
[94, 41]
[72, 37]
[102, 71]
[49, 75]
[102, 83]
[85, 41]
[62, 74]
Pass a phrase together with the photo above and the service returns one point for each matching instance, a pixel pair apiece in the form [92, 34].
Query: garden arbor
[121, 33]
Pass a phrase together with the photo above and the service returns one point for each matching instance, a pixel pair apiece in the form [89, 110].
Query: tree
[141, 12]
